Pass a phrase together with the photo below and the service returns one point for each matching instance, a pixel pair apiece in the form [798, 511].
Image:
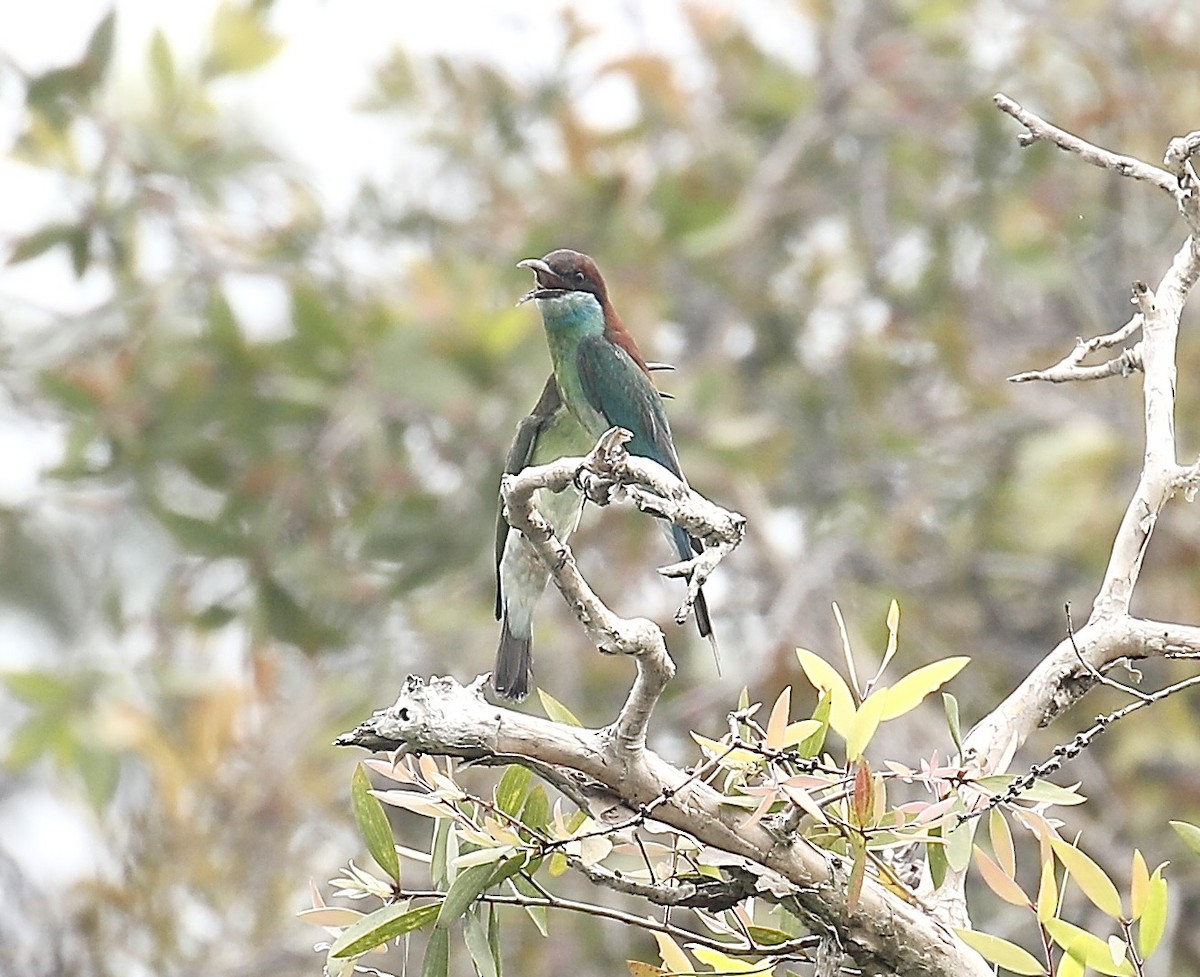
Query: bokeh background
[260, 363]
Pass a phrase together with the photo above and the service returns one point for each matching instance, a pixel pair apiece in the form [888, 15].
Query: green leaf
[1189, 833]
[475, 936]
[373, 824]
[556, 710]
[1153, 923]
[536, 812]
[936, 855]
[40, 241]
[98, 55]
[463, 892]
[437, 954]
[382, 925]
[439, 855]
[161, 63]
[510, 792]
[813, 745]
[1007, 955]
[958, 844]
[951, 706]
[1092, 950]
[1090, 877]
[536, 913]
[908, 693]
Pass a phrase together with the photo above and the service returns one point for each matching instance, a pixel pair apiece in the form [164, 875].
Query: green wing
[625, 396]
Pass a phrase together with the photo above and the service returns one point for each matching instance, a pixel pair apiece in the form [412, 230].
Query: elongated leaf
[999, 881]
[510, 792]
[556, 710]
[1047, 900]
[811, 745]
[40, 241]
[475, 936]
[383, 925]
[639, 969]
[723, 963]
[1092, 950]
[893, 626]
[1002, 843]
[865, 723]
[330, 916]
[373, 824]
[1090, 877]
[673, 957]
[1189, 833]
[777, 724]
[536, 913]
[464, 890]
[958, 844]
[858, 871]
[437, 954]
[847, 651]
[536, 811]
[824, 678]
[1139, 886]
[907, 693]
[1007, 955]
[1153, 923]
[951, 706]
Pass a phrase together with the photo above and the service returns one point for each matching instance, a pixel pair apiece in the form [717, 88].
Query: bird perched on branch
[602, 377]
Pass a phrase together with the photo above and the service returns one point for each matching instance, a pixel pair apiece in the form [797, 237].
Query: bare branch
[1039, 129]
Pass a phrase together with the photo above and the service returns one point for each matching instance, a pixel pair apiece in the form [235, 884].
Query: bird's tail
[514, 664]
[687, 547]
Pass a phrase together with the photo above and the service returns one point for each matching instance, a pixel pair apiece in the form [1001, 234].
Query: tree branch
[445, 718]
[1110, 633]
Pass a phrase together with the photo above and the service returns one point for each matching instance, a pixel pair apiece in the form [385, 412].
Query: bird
[550, 431]
[602, 377]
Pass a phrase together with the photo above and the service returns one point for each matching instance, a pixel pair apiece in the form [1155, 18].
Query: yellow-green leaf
[798, 732]
[556, 710]
[722, 963]
[1002, 843]
[1090, 877]
[824, 678]
[1001, 952]
[893, 626]
[907, 693]
[639, 969]
[1154, 917]
[1090, 949]
[673, 957]
[1189, 833]
[510, 792]
[998, 881]
[866, 720]
[1047, 900]
[1139, 886]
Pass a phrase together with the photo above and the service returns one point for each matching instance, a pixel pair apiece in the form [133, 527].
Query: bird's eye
[580, 277]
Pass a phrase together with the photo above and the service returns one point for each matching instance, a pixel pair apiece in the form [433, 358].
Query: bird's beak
[539, 268]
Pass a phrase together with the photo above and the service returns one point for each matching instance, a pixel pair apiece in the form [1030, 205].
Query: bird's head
[564, 271]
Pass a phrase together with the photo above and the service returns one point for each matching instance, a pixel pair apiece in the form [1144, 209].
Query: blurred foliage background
[254, 467]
